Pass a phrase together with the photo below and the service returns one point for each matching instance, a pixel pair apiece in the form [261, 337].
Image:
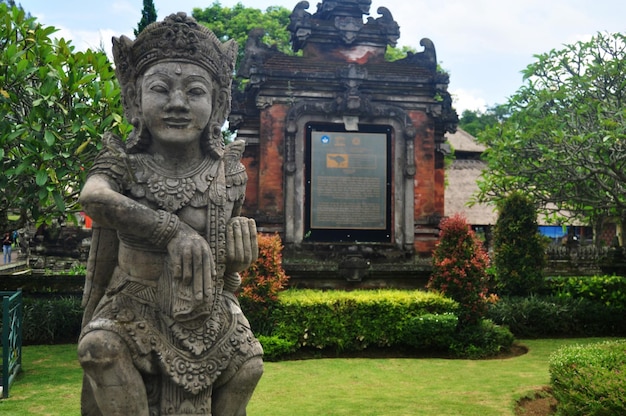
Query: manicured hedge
[353, 321]
[557, 316]
[607, 290]
[51, 320]
[590, 379]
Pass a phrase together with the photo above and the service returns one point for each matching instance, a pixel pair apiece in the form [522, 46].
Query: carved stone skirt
[191, 356]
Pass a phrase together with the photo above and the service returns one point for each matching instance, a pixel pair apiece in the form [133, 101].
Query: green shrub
[51, 320]
[553, 316]
[261, 283]
[460, 269]
[275, 347]
[352, 321]
[482, 339]
[430, 331]
[607, 290]
[589, 379]
[519, 249]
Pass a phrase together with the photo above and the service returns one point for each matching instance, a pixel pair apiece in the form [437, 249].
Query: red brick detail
[251, 161]
[428, 182]
[425, 247]
[272, 137]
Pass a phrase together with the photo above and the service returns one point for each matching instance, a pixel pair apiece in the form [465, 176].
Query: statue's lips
[176, 122]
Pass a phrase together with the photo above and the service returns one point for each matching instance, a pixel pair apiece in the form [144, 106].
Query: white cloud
[467, 100]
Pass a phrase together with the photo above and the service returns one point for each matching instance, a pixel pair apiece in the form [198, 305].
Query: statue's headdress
[178, 38]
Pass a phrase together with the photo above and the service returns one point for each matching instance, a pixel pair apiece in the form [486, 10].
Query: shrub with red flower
[261, 283]
[460, 268]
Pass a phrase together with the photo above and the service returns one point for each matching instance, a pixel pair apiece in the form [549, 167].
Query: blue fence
[11, 338]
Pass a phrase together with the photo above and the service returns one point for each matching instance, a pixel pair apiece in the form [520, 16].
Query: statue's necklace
[173, 191]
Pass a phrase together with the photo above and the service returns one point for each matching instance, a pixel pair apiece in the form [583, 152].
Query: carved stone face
[176, 102]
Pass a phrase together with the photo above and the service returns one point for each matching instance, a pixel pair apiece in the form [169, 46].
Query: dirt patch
[541, 403]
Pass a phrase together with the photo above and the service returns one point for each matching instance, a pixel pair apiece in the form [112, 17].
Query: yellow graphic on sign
[337, 160]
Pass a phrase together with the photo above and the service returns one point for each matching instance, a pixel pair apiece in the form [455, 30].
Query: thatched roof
[461, 177]
[464, 142]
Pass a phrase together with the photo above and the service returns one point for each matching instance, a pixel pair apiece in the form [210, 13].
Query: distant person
[7, 241]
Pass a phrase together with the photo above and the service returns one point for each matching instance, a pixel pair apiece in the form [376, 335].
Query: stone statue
[163, 333]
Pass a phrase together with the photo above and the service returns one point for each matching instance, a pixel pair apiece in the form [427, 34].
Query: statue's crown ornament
[177, 38]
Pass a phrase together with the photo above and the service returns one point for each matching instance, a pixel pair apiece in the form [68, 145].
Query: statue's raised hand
[242, 248]
[191, 261]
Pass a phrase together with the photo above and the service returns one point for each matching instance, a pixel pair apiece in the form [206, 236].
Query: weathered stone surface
[342, 80]
[163, 333]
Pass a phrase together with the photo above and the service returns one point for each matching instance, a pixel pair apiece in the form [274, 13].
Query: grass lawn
[51, 380]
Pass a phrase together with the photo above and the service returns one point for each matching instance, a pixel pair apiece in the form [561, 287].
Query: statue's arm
[111, 209]
[241, 233]
[189, 254]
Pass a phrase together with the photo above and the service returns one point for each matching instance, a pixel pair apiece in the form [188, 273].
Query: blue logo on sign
[325, 139]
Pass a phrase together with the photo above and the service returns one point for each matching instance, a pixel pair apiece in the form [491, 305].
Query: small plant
[460, 269]
[430, 331]
[261, 283]
[482, 339]
[519, 249]
[589, 380]
[275, 347]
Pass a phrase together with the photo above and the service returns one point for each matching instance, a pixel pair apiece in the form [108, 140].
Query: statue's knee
[100, 349]
[252, 369]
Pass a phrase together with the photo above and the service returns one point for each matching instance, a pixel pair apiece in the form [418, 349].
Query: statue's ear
[122, 55]
[230, 50]
[125, 72]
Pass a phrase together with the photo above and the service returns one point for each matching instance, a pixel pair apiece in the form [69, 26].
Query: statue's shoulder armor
[235, 171]
[112, 161]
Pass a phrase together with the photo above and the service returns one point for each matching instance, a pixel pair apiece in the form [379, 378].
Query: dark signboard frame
[379, 196]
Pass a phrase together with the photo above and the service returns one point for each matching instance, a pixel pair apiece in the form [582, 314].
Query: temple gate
[345, 151]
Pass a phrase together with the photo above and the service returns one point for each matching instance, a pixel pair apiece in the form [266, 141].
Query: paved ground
[15, 261]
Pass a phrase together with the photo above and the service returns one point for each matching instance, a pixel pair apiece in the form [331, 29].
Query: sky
[483, 44]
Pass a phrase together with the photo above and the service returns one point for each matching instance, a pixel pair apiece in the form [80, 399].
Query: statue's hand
[241, 244]
[191, 261]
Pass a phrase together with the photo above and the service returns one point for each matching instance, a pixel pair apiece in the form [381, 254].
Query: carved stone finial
[341, 19]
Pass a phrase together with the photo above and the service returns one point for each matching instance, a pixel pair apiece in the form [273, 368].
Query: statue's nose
[177, 100]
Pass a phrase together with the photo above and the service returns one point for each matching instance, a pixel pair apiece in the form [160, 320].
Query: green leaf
[42, 194]
[49, 138]
[58, 201]
[41, 178]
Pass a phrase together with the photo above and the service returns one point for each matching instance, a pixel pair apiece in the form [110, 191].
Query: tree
[475, 122]
[237, 22]
[564, 144]
[148, 15]
[519, 250]
[460, 269]
[11, 3]
[55, 105]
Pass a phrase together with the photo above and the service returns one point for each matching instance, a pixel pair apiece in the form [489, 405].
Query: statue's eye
[197, 91]
[159, 88]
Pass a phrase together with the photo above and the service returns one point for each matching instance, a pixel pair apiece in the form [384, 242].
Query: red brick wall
[428, 183]
[264, 164]
[251, 162]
